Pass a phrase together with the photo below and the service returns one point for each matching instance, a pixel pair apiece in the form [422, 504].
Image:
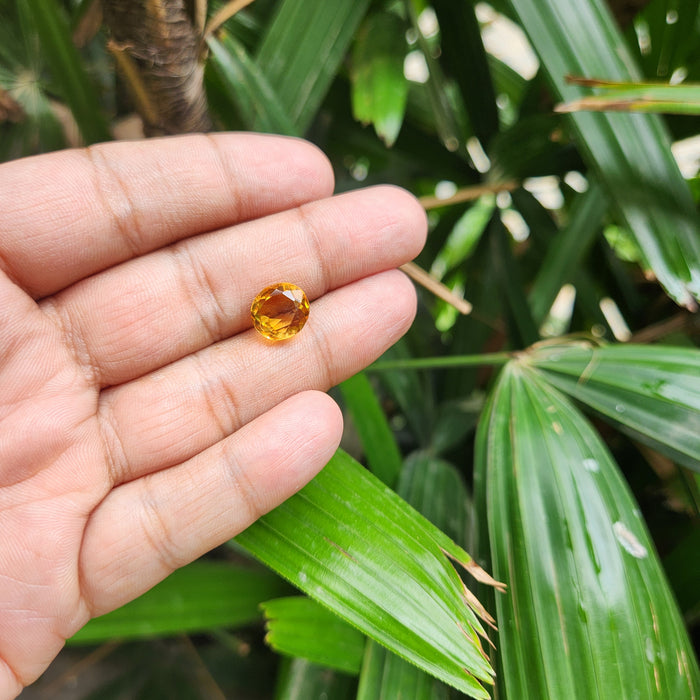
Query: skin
[142, 421]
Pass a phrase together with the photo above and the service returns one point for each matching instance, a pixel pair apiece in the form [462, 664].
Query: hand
[142, 420]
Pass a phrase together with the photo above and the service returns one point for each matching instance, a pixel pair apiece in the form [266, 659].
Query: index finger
[70, 214]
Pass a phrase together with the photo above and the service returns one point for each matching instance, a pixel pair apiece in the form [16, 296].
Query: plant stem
[495, 358]
[467, 194]
[432, 284]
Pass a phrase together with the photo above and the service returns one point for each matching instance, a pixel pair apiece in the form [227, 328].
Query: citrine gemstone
[280, 311]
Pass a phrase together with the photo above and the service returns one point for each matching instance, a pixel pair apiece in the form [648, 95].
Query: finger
[70, 214]
[147, 528]
[10, 685]
[166, 417]
[153, 310]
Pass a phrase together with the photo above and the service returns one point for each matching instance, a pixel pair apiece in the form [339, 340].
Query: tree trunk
[157, 49]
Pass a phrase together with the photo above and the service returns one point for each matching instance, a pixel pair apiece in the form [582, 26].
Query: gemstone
[280, 311]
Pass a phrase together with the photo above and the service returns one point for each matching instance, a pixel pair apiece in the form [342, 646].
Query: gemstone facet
[280, 311]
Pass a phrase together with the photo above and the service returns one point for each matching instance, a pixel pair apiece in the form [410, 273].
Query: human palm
[142, 420]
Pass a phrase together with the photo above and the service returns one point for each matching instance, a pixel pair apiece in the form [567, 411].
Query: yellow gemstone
[280, 311]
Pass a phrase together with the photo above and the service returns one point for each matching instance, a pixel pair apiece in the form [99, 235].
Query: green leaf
[68, 70]
[352, 544]
[531, 147]
[682, 567]
[379, 88]
[34, 128]
[298, 626]
[671, 30]
[248, 88]
[631, 153]
[456, 418]
[650, 392]
[464, 236]
[566, 252]
[385, 675]
[383, 456]
[410, 393]
[38, 130]
[522, 328]
[464, 59]
[435, 488]
[588, 612]
[198, 597]
[588, 298]
[302, 49]
[436, 92]
[510, 87]
[299, 679]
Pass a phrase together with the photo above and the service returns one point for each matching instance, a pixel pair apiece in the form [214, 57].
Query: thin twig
[224, 14]
[679, 322]
[75, 670]
[126, 64]
[199, 15]
[88, 25]
[423, 278]
[206, 681]
[467, 194]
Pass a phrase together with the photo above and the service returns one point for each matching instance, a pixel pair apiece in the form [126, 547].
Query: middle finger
[153, 310]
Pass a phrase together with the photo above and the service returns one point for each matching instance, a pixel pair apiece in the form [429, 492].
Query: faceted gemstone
[280, 311]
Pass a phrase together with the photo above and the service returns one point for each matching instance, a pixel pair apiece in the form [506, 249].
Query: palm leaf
[381, 450]
[631, 153]
[435, 488]
[302, 49]
[201, 596]
[649, 392]
[589, 613]
[298, 626]
[358, 548]
[67, 69]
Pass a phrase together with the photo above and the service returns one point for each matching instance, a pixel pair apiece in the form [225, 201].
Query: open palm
[142, 421]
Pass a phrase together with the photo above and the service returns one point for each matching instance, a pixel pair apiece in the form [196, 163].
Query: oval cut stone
[280, 311]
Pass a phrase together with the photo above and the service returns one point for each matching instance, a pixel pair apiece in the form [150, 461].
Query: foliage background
[586, 234]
